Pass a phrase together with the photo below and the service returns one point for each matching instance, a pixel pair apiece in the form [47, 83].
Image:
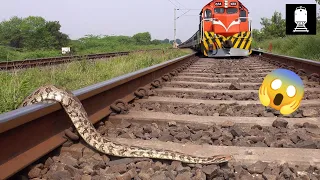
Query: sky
[124, 17]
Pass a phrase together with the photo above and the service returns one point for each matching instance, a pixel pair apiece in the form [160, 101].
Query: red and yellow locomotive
[224, 30]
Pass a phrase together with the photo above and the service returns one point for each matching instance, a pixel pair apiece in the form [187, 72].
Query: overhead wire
[173, 3]
[180, 4]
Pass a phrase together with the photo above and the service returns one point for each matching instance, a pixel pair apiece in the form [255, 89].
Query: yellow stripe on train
[240, 40]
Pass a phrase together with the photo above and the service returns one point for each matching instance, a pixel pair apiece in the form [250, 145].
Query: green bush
[7, 53]
[302, 46]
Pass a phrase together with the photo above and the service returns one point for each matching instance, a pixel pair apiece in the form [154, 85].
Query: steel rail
[29, 133]
[305, 65]
[28, 63]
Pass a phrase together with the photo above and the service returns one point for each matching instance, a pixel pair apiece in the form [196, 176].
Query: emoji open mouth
[278, 99]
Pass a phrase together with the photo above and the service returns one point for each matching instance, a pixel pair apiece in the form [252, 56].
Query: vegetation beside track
[34, 37]
[8, 54]
[15, 86]
[297, 46]
[273, 32]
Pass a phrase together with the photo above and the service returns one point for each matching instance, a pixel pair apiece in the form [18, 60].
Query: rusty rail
[28, 63]
[23, 139]
[305, 65]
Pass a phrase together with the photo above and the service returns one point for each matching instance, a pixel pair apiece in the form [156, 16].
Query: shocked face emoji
[282, 90]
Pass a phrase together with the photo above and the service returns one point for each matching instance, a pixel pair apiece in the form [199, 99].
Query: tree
[10, 32]
[274, 27]
[178, 41]
[166, 41]
[142, 38]
[33, 32]
[53, 27]
[156, 42]
[257, 35]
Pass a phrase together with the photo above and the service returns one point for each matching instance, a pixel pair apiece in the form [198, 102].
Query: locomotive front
[225, 29]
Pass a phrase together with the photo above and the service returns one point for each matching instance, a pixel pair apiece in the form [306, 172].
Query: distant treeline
[34, 37]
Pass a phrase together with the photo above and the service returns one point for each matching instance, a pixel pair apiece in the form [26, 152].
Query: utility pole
[174, 35]
[175, 24]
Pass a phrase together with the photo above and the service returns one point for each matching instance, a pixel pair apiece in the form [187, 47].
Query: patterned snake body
[87, 131]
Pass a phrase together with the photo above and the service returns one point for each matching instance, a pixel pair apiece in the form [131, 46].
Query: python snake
[87, 131]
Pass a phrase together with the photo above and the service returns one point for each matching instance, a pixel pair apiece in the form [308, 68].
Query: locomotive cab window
[244, 15]
[219, 10]
[207, 13]
[232, 10]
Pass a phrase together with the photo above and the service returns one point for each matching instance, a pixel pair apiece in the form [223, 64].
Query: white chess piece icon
[300, 18]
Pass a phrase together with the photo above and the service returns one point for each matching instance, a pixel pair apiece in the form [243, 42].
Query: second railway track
[29, 63]
[201, 107]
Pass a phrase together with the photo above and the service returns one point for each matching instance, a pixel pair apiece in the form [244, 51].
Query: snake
[80, 119]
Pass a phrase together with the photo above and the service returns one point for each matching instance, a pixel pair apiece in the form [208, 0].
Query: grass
[302, 46]
[16, 85]
[11, 54]
[118, 48]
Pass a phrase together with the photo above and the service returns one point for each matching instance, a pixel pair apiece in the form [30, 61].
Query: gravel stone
[235, 86]
[182, 135]
[34, 173]
[211, 170]
[196, 136]
[280, 123]
[307, 144]
[87, 170]
[59, 175]
[127, 176]
[121, 168]
[85, 177]
[144, 176]
[160, 176]
[143, 165]
[257, 167]
[73, 171]
[237, 130]
[48, 162]
[175, 165]
[125, 124]
[309, 125]
[269, 176]
[183, 176]
[75, 150]
[170, 174]
[199, 175]
[309, 113]
[73, 136]
[67, 159]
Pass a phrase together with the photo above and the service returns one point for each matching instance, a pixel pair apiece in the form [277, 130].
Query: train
[224, 30]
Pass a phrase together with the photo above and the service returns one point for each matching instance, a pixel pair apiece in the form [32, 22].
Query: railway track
[29, 63]
[197, 106]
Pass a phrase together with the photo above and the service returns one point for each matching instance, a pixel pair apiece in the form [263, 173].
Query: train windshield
[232, 10]
[207, 13]
[219, 10]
